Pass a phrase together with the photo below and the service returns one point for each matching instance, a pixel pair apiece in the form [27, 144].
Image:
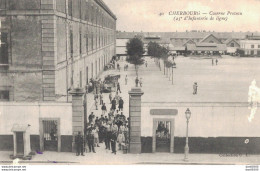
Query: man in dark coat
[79, 140]
[104, 109]
[121, 104]
[107, 136]
[91, 139]
[113, 107]
[113, 141]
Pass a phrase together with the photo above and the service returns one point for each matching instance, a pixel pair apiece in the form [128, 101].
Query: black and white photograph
[129, 82]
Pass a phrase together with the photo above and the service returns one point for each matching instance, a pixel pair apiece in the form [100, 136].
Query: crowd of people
[110, 128]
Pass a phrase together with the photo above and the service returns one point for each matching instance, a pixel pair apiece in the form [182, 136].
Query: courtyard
[228, 81]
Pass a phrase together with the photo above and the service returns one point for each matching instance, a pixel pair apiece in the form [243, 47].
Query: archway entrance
[163, 135]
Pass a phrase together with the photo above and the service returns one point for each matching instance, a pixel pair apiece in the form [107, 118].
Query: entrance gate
[163, 135]
[50, 135]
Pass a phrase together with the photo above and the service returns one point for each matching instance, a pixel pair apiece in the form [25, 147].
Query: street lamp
[186, 148]
[172, 74]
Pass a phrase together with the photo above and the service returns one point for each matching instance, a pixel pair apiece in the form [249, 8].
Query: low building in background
[250, 46]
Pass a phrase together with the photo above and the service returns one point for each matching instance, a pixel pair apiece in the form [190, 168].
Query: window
[86, 42]
[3, 49]
[71, 43]
[211, 41]
[232, 44]
[258, 46]
[80, 43]
[92, 41]
[92, 70]
[70, 7]
[80, 79]
[4, 95]
[87, 75]
[71, 78]
[252, 46]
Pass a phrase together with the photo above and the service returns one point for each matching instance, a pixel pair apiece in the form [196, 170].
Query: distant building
[250, 46]
[49, 46]
[178, 41]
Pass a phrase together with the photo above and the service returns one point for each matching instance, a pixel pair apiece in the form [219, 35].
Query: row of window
[252, 46]
[88, 10]
[92, 41]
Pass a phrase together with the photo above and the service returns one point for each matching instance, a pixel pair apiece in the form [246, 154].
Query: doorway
[163, 135]
[50, 134]
[20, 143]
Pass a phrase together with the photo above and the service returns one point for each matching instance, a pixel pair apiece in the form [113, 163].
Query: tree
[135, 51]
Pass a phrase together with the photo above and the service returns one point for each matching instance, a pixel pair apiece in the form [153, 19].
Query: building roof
[229, 40]
[189, 35]
[218, 47]
[189, 41]
[106, 8]
[209, 36]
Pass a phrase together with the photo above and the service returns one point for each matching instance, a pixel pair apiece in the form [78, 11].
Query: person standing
[107, 136]
[101, 98]
[113, 107]
[216, 61]
[146, 64]
[96, 137]
[120, 139]
[96, 103]
[126, 80]
[212, 61]
[136, 81]
[195, 88]
[104, 109]
[121, 104]
[118, 88]
[110, 97]
[91, 117]
[80, 144]
[141, 82]
[113, 140]
[91, 139]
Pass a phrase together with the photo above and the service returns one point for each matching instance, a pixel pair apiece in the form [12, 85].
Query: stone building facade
[49, 46]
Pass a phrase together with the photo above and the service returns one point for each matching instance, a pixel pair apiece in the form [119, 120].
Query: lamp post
[186, 148]
[172, 74]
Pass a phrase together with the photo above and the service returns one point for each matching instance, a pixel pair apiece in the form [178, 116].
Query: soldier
[107, 136]
[91, 139]
[136, 81]
[113, 107]
[195, 88]
[121, 104]
[114, 138]
[79, 143]
[104, 109]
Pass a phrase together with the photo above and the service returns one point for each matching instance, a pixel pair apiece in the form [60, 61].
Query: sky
[143, 15]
